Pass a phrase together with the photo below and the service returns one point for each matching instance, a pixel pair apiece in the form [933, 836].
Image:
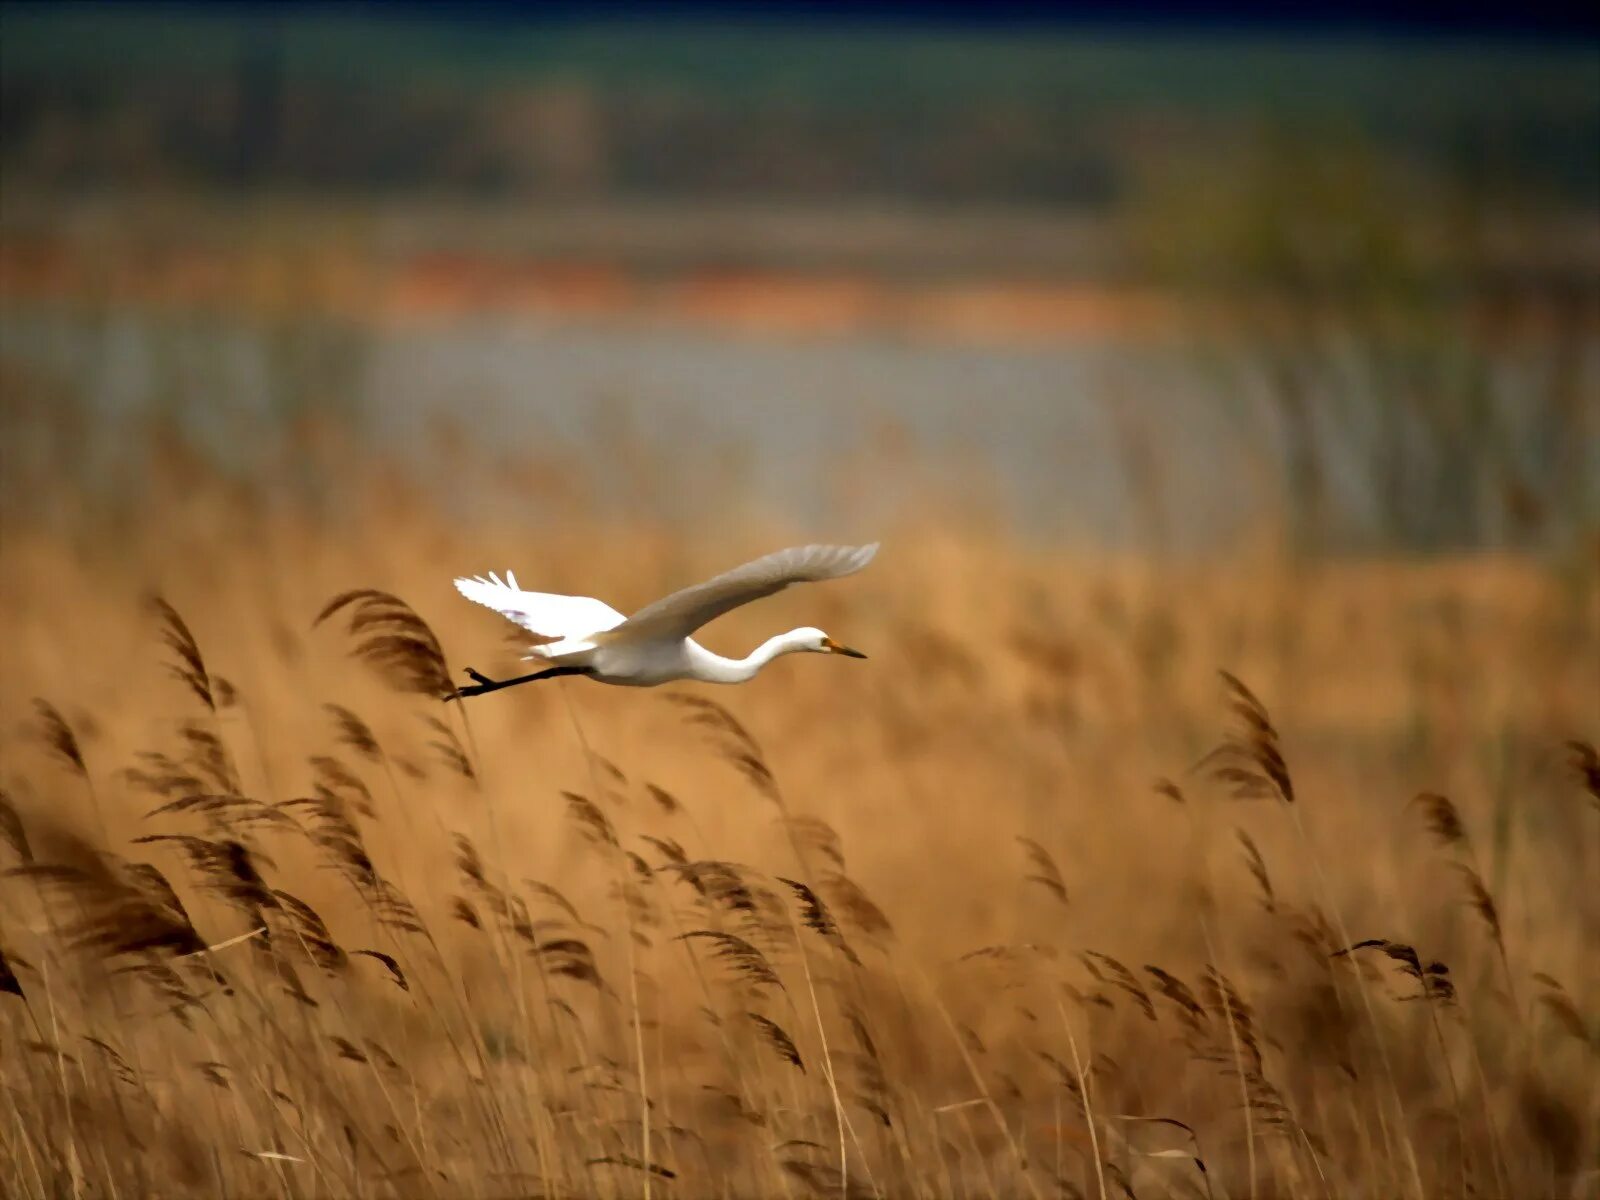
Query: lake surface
[1053, 435]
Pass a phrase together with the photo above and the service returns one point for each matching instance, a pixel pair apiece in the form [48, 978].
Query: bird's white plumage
[544, 614]
[653, 645]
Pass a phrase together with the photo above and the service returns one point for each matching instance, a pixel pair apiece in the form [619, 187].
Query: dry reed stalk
[1083, 1097]
[1254, 764]
[1046, 873]
[1226, 1001]
[742, 1097]
[978, 1082]
[74, 1167]
[633, 969]
[1450, 833]
[401, 646]
[1223, 995]
[356, 735]
[393, 640]
[742, 750]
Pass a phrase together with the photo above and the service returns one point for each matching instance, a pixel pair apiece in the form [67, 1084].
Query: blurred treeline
[491, 100]
[1418, 356]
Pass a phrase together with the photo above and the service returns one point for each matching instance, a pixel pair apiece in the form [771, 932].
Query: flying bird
[579, 635]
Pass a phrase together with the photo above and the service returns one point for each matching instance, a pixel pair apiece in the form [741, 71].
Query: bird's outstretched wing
[543, 613]
[681, 613]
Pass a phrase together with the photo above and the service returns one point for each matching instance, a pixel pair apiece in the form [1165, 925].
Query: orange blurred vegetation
[439, 286]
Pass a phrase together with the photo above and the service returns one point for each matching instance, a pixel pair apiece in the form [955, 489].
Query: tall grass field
[1103, 877]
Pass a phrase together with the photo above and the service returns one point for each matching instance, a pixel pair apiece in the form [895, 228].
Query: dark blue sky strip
[1535, 18]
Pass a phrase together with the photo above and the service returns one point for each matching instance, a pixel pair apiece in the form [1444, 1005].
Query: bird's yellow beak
[839, 648]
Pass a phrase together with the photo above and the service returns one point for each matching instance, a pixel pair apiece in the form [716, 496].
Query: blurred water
[1046, 434]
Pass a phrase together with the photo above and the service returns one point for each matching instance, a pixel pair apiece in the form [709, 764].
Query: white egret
[583, 636]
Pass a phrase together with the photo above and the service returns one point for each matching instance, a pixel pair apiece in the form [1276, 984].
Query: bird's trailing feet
[483, 684]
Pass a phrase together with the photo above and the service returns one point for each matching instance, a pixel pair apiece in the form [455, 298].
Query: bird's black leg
[485, 684]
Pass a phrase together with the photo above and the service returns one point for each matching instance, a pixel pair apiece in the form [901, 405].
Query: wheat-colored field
[1036, 902]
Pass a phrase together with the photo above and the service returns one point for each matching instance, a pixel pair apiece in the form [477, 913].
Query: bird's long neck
[717, 669]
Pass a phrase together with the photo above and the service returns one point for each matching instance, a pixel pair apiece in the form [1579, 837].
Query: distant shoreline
[992, 276]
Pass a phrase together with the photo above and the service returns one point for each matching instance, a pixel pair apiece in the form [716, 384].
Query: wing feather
[681, 613]
[545, 614]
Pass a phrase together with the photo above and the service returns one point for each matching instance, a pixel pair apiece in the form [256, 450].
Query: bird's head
[821, 643]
